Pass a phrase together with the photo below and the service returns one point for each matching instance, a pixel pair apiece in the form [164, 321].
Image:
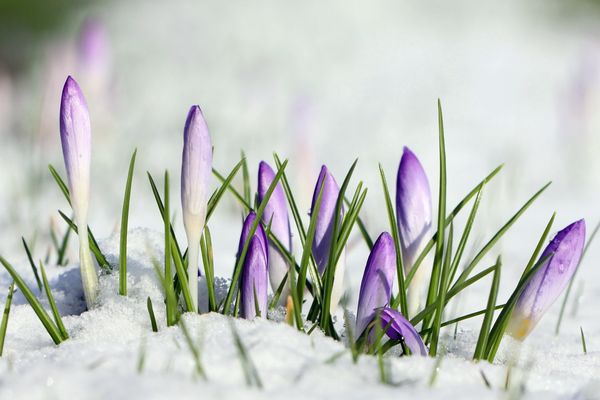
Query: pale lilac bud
[76, 140]
[275, 215]
[377, 281]
[196, 169]
[549, 281]
[254, 276]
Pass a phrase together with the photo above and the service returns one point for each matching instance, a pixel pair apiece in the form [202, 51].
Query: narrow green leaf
[194, 350]
[53, 307]
[246, 179]
[207, 260]
[216, 196]
[583, 345]
[441, 298]
[61, 184]
[32, 264]
[435, 281]
[170, 294]
[484, 331]
[124, 224]
[34, 302]
[151, 314]
[5, 315]
[248, 367]
[62, 250]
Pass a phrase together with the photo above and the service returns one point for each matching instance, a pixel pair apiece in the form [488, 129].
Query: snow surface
[324, 82]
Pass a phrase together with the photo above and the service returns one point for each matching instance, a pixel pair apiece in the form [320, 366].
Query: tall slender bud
[377, 281]
[563, 254]
[76, 140]
[324, 230]
[275, 215]
[413, 214]
[254, 276]
[196, 168]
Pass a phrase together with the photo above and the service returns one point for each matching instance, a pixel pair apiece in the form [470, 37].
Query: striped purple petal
[399, 328]
[324, 228]
[253, 280]
[324, 231]
[196, 169]
[275, 214]
[377, 281]
[549, 281]
[413, 207]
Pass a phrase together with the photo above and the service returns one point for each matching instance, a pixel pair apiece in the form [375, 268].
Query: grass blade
[583, 345]
[34, 302]
[151, 314]
[216, 196]
[124, 223]
[194, 350]
[250, 371]
[5, 315]
[32, 264]
[209, 270]
[53, 307]
[434, 284]
[170, 292]
[441, 298]
[484, 331]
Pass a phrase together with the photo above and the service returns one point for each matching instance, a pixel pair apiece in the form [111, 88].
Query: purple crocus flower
[324, 230]
[76, 140]
[276, 215]
[377, 281]
[253, 279]
[196, 167]
[399, 328]
[549, 280]
[413, 213]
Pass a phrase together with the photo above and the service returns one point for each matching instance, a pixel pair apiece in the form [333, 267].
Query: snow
[359, 82]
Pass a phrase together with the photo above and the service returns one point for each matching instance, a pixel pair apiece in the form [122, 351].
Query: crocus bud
[253, 279]
[196, 167]
[324, 230]
[413, 213]
[275, 215]
[399, 328]
[76, 140]
[377, 281]
[550, 279]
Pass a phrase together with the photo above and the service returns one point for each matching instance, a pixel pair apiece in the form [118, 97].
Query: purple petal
[413, 207]
[76, 139]
[550, 279]
[276, 214]
[377, 281]
[325, 219]
[253, 280]
[260, 233]
[196, 169]
[399, 328]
